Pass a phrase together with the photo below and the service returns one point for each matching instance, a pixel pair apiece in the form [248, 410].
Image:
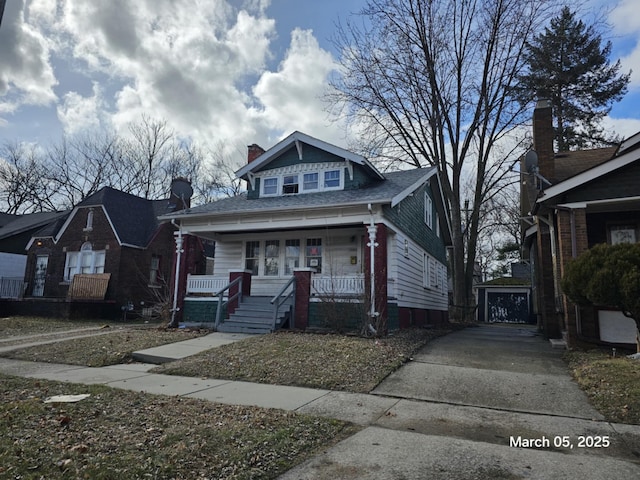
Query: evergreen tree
[568, 65]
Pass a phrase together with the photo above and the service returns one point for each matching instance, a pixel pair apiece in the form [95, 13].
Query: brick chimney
[254, 151]
[543, 138]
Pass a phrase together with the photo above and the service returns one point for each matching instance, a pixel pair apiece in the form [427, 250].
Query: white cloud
[78, 113]
[626, 25]
[292, 96]
[26, 76]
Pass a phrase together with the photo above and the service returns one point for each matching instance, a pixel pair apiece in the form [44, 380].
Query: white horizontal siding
[408, 277]
[338, 248]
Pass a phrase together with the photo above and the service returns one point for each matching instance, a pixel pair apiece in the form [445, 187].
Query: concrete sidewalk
[451, 413]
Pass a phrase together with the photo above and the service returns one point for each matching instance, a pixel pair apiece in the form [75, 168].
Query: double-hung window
[270, 186]
[332, 179]
[85, 261]
[290, 184]
[310, 181]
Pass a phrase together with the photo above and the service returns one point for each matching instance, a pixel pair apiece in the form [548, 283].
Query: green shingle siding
[408, 216]
[200, 311]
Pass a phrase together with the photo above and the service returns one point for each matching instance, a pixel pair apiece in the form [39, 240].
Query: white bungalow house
[324, 233]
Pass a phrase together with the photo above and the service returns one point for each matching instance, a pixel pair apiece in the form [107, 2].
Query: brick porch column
[303, 296]
[572, 241]
[246, 287]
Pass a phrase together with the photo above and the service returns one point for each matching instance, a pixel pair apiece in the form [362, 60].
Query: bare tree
[216, 178]
[23, 183]
[429, 81]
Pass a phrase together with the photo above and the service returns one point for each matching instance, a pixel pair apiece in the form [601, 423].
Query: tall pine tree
[568, 65]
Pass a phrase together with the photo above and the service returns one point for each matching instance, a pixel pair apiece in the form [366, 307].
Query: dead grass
[327, 361]
[118, 434]
[103, 348]
[24, 326]
[612, 384]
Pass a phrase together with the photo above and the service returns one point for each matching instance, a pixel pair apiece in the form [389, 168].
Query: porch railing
[205, 284]
[222, 302]
[12, 287]
[281, 298]
[339, 285]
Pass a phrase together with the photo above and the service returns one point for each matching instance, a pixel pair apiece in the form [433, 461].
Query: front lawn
[119, 434]
[612, 384]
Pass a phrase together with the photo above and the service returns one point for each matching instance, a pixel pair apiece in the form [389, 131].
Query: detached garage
[505, 300]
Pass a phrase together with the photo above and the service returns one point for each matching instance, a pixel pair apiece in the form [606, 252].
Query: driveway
[493, 401]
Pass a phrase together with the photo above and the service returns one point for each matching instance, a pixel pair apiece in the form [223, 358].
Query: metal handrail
[229, 299]
[279, 299]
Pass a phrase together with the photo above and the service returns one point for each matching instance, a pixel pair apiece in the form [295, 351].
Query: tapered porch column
[376, 273]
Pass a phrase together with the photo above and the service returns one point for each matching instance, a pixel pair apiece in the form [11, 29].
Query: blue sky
[226, 73]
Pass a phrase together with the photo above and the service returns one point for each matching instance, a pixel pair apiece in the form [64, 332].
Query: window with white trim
[270, 186]
[252, 256]
[271, 257]
[314, 253]
[426, 274]
[314, 178]
[291, 256]
[428, 210]
[85, 261]
[290, 184]
[332, 179]
[310, 181]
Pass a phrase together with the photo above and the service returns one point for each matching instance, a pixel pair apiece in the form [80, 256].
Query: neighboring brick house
[329, 218]
[113, 241]
[572, 201]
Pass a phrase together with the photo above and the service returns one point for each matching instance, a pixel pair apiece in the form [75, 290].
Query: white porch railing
[337, 285]
[205, 284]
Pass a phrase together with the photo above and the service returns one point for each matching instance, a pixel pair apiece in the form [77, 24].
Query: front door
[40, 275]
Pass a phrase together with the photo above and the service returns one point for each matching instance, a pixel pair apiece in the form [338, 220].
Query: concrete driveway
[487, 402]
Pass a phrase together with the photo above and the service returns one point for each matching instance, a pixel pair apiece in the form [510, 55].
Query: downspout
[179, 251]
[372, 230]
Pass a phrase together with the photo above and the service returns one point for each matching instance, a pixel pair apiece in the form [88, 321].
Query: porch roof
[395, 184]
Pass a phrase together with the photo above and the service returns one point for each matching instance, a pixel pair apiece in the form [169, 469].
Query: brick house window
[154, 270]
[622, 234]
[87, 261]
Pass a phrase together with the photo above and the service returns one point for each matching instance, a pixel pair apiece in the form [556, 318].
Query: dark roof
[6, 218]
[506, 282]
[29, 221]
[134, 218]
[380, 192]
[568, 164]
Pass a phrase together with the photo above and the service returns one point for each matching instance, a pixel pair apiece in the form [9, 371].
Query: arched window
[85, 261]
[89, 225]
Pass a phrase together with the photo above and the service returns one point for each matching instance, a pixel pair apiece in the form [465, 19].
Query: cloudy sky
[230, 71]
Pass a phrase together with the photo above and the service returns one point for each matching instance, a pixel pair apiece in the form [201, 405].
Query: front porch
[229, 304]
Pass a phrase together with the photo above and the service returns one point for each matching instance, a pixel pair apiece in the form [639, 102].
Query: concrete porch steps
[254, 315]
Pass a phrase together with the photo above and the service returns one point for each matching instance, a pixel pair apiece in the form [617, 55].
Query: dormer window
[290, 184]
[270, 186]
[332, 179]
[303, 178]
[310, 181]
